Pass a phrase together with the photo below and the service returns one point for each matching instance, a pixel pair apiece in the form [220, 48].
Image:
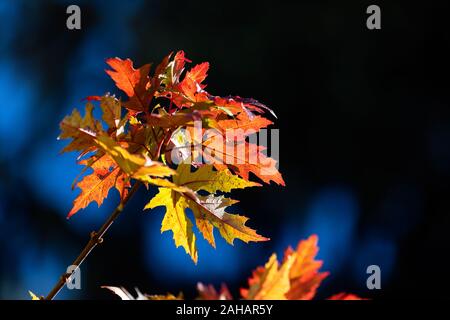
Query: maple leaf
[270, 282]
[205, 178]
[134, 82]
[191, 87]
[303, 273]
[305, 276]
[134, 165]
[114, 169]
[208, 214]
[176, 67]
[176, 220]
[242, 125]
[211, 213]
[242, 158]
[167, 120]
[198, 73]
[96, 186]
[111, 108]
[226, 147]
[170, 70]
[71, 125]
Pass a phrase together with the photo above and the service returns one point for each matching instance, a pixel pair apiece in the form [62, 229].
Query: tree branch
[96, 238]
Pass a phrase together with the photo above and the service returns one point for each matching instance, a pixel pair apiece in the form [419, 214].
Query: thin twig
[96, 238]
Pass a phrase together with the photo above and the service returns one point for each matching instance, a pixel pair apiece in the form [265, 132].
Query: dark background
[364, 124]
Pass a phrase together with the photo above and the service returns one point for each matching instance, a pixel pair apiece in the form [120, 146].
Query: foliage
[143, 138]
[296, 278]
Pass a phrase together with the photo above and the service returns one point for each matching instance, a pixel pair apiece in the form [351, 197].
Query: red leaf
[198, 73]
[134, 82]
[345, 296]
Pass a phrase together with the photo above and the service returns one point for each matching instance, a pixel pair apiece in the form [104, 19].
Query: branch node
[96, 237]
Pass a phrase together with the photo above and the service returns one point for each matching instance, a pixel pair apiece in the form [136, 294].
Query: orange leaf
[131, 81]
[270, 282]
[305, 276]
[242, 158]
[242, 125]
[198, 73]
[96, 186]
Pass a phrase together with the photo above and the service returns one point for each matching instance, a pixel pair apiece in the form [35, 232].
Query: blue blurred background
[364, 148]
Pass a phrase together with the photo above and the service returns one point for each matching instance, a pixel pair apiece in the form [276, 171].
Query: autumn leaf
[114, 169]
[209, 212]
[198, 73]
[271, 282]
[33, 296]
[111, 108]
[166, 120]
[191, 86]
[134, 165]
[95, 187]
[132, 81]
[226, 147]
[175, 219]
[205, 178]
[242, 158]
[242, 126]
[71, 125]
[305, 276]
[176, 67]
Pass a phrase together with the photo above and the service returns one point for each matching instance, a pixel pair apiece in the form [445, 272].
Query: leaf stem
[96, 238]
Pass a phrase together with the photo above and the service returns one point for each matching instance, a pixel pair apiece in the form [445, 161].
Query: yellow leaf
[33, 296]
[132, 164]
[176, 220]
[270, 282]
[209, 212]
[205, 178]
[167, 184]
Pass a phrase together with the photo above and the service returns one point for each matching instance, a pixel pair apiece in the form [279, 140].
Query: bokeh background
[364, 128]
